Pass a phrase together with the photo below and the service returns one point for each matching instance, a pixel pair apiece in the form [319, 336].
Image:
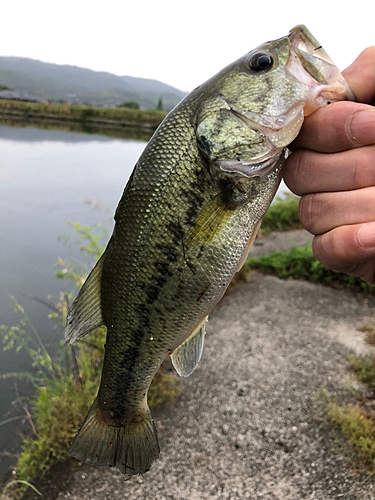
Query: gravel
[250, 422]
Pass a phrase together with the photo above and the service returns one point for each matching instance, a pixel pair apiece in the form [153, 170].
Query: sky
[180, 43]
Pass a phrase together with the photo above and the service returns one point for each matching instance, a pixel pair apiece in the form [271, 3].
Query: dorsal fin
[85, 314]
[186, 356]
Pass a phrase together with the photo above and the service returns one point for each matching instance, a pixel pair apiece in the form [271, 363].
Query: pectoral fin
[210, 222]
[85, 314]
[185, 357]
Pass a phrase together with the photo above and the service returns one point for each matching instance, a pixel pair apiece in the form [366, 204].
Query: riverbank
[111, 118]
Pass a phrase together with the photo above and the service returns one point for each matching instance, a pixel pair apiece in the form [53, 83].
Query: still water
[46, 178]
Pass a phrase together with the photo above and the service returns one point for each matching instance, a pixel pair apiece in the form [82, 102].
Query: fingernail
[362, 127]
[366, 235]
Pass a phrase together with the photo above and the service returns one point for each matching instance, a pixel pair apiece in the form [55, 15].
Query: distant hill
[79, 85]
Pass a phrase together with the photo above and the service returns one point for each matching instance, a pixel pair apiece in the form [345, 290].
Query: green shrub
[129, 104]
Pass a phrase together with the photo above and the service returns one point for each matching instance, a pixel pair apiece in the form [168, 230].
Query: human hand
[333, 168]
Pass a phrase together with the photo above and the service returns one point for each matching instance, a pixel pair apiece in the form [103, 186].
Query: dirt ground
[250, 422]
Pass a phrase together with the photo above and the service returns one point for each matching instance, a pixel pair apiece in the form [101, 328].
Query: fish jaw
[310, 64]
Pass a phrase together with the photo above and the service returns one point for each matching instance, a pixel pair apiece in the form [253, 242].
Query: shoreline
[53, 114]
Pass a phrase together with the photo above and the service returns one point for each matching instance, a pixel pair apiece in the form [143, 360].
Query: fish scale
[183, 227]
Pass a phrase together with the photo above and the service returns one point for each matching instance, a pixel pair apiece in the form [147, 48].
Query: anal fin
[186, 356]
[85, 314]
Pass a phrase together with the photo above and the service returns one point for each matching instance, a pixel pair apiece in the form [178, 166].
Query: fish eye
[260, 62]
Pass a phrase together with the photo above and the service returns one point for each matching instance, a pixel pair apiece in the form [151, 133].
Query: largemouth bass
[184, 226]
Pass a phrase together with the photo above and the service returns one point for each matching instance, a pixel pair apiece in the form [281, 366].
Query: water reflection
[83, 130]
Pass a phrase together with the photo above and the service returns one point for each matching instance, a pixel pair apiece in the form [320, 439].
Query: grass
[364, 369]
[82, 114]
[358, 426]
[300, 262]
[357, 423]
[63, 397]
[65, 386]
[282, 215]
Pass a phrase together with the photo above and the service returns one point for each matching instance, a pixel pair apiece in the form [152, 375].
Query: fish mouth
[310, 64]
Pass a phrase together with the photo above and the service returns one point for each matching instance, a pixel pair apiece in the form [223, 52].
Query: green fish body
[184, 226]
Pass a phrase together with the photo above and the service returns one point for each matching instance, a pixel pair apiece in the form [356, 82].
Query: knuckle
[337, 252]
[328, 248]
[364, 168]
[293, 171]
[309, 211]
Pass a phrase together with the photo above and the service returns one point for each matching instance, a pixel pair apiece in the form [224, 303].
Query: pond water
[45, 178]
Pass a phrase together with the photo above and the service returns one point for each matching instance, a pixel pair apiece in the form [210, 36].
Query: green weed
[300, 262]
[18, 482]
[358, 426]
[357, 423]
[364, 369]
[282, 215]
[65, 388]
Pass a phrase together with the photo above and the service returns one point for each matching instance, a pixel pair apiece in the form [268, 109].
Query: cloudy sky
[180, 43]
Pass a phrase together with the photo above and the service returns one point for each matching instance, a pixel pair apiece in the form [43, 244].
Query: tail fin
[132, 448]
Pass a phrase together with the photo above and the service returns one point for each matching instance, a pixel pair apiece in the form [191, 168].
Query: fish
[184, 226]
